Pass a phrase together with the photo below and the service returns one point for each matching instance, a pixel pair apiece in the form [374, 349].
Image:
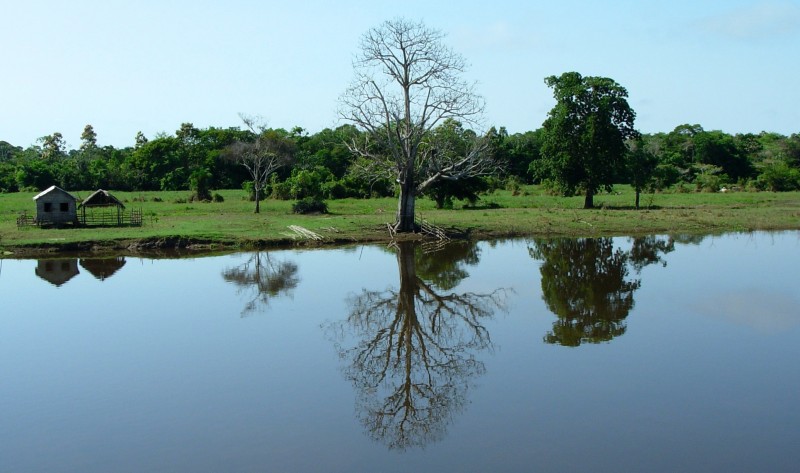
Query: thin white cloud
[761, 20]
[763, 310]
[497, 36]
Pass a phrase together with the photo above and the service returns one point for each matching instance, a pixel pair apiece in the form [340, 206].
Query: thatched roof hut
[102, 200]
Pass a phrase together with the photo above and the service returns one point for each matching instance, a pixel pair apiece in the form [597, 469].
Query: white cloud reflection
[763, 310]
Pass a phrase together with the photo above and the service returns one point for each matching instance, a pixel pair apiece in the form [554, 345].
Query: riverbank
[171, 221]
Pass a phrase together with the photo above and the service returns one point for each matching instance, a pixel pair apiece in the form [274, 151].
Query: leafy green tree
[777, 175]
[155, 166]
[8, 151]
[140, 140]
[720, 149]
[522, 151]
[35, 174]
[53, 146]
[328, 148]
[88, 139]
[585, 133]
[407, 83]
[199, 184]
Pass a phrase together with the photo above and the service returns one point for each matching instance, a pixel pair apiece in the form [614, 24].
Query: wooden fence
[131, 218]
[24, 220]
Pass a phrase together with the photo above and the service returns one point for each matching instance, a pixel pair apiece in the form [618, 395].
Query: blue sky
[728, 65]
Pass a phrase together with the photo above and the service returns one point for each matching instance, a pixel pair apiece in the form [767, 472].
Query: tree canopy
[585, 134]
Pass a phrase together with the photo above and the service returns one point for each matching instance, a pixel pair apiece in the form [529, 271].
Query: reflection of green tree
[585, 283]
[445, 267]
[263, 278]
[647, 250]
[414, 358]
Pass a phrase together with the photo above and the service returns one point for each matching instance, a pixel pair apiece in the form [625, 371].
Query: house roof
[101, 198]
[53, 189]
[58, 271]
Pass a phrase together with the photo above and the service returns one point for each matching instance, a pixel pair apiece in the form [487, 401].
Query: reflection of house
[57, 271]
[103, 268]
[55, 206]
[101, 208]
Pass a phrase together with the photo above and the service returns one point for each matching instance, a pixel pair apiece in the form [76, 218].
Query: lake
[655, 354]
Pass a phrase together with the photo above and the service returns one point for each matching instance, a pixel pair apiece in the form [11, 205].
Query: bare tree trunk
[405, 207]
[408, 279]
[637, 198]
[258, 199]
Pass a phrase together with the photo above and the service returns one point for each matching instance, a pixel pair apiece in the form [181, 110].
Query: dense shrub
[309, 205]
[778, 176]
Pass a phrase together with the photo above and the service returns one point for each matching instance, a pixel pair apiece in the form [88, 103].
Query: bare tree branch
[407, 82]
[268, 151]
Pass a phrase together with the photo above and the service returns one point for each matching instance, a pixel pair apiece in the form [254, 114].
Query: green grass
[531, 212]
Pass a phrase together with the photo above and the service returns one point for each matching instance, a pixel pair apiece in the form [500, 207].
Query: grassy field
[232, 223]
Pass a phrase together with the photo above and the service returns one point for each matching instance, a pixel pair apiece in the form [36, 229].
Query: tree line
[321, 164]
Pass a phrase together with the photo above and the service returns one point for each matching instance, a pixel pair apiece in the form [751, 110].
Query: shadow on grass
[484, 206]
[627, 207]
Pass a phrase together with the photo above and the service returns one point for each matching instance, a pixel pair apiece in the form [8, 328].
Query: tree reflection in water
[262, 278]
[414, 353]
[585, 282]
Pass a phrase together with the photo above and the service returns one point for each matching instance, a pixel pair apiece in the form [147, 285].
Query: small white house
[55, 206]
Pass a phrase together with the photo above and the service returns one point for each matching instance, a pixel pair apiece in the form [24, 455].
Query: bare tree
[407, 82]
[267, 152]
[263, 278]
[416, 348]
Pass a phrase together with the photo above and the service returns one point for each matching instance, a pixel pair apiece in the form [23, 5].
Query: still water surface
[649, 354]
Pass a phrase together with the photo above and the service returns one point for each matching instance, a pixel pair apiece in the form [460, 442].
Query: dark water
[650, 354]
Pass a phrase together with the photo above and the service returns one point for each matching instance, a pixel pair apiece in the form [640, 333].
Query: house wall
[56, 208]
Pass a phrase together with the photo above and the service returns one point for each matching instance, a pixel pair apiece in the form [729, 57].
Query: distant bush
[157, 199]
[778, 176]
[309, 205]
[217, 197]
[514, 185]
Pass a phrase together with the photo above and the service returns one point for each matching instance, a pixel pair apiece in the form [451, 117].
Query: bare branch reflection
[262, 277]
[415, 349]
